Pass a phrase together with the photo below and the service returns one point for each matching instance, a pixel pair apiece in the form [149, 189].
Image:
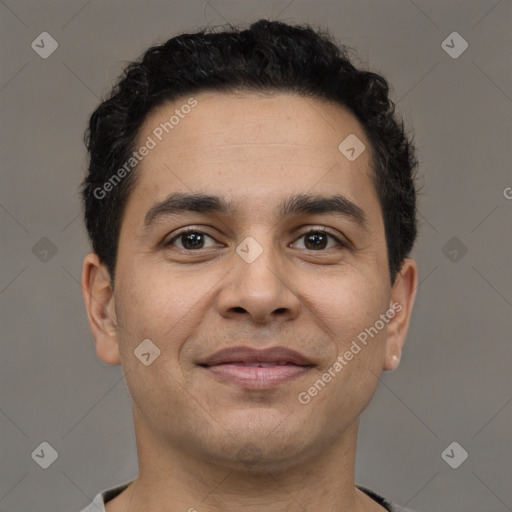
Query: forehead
[256, 149]
[218, 120]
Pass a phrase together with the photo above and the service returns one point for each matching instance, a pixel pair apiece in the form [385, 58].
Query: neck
[171, 480]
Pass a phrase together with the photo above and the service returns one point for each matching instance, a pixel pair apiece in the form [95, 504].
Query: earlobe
[100, 304]
[403, 295]
[392, 362]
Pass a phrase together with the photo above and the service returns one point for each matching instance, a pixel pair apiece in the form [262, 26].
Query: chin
[255, 454]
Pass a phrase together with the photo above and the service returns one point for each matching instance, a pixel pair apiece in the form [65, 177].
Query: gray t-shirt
[98, 505]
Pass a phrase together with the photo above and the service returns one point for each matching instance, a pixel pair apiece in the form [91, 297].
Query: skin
[209, 445]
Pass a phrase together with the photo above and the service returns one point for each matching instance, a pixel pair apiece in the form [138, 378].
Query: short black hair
[267, 57]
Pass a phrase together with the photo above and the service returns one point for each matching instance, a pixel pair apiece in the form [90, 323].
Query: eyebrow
[179, 203]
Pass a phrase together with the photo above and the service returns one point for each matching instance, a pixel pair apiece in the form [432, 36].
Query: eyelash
[316, 230]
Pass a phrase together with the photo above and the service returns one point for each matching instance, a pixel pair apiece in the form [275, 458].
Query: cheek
[349, 303]
[361, 343]
[162, 306]
[159, 309]
[350, 310]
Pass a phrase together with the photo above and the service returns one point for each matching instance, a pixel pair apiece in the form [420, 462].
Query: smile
[257, 369]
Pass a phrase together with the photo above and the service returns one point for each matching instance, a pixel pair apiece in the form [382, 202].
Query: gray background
[454, 382]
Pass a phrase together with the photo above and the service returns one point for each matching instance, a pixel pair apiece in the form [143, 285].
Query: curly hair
[267, 57]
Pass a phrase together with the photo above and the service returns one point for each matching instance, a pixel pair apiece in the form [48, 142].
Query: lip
[257, 369]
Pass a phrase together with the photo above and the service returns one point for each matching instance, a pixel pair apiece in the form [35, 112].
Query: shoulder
[98, 504]
[384, 502]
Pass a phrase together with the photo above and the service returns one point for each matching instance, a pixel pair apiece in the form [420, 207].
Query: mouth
[257, 369]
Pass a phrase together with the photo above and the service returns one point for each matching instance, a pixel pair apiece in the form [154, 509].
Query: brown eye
[315, 241]
[190, 240]
[318, 240]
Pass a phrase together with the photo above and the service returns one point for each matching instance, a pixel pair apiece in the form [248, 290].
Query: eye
[194, 239]
[318, 239]
[190, 239]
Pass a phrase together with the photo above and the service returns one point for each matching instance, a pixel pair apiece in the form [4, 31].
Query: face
[283, 283]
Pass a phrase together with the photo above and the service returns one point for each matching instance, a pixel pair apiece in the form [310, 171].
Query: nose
[260, 290]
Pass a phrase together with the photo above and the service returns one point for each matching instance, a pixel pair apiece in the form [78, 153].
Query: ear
[100, 304]
[403, 294]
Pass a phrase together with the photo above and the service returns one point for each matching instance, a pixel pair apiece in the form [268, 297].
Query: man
[251, 205]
